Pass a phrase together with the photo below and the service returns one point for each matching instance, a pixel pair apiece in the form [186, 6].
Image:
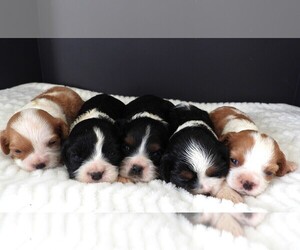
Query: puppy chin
[209, 186]
[108, 172]
[148, 173]
[235, 181]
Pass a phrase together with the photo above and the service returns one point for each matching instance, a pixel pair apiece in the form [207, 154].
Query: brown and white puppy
[255, 157]
[34, 134]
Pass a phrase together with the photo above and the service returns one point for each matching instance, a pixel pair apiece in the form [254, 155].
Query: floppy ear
[62, 129]
[165, 168]
[64, 148]
[4, 142]
[284, 165]
[222, 169]
[226, 138]
[120, 126]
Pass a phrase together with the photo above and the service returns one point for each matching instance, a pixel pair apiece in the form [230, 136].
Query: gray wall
[149, 18]
[204, 70]
[19, 62]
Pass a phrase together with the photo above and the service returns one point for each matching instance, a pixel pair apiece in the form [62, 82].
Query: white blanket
[51, 190]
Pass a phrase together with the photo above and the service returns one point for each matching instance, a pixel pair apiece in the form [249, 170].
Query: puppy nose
[248, 185]
[96, 176]
[40, 166]
[136, 170]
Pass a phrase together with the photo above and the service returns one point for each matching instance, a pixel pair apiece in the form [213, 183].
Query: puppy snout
[248, 185]
[40, 166]
[136, 170]
[96, 176]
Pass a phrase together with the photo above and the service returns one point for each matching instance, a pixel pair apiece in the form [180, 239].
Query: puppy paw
[291, 166]
[229, 194]
[123, 180]
[227, 223]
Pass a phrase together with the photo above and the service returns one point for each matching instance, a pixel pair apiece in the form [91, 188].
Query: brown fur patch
[129, 140]
[219, 117]
[187, 175]
[4, 142]
[153, 147]
[124, 180]
[211, 171]
[6, 134]
[284, 166]
[66, 98]
[238, 144]
[19, 142]
[270, 171]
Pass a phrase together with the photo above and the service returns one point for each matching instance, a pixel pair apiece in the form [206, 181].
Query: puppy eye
[17, 151]
[126, 148]
[51, 143]
[112, 153]
[269, 173]
[76, 157]
[186, 175]
[156, 154]
[234, 161]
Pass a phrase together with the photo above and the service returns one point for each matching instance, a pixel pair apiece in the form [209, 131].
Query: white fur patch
[149, 172]
[148, 115]
[93, 113]
[140, 158]
[237, 125]
[255, 161]
[194, 123]
[200, 159]
[142, 148]
[47, 105]
[97, 163]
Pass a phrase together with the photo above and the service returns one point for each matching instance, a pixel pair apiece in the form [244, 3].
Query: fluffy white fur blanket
[27, 198]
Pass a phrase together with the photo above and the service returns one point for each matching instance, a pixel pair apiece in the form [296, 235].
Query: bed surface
[52, 191]
[46, 210]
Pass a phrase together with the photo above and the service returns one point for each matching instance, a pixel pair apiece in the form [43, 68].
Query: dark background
[202, 70]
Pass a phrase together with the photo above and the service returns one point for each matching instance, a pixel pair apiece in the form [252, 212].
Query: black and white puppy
[194, 159]
[145, 135]
[92, 151]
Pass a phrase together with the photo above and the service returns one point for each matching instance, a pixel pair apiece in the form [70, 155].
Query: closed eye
[17, 151]
[269, 173]
[51, 143]
[186, 175]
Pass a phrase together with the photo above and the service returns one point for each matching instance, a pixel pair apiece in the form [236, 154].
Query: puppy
[255, 158]
[92, 151]
[34, 134]
[230, 222]
[195, 159]
[145, 135]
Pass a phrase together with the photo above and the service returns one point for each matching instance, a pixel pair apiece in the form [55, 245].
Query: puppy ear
[4, 142]
[227, 138]
[64, 150]
[62, 129]
[284, 165]
[165, 168]
[222, 169]
[120, 126]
